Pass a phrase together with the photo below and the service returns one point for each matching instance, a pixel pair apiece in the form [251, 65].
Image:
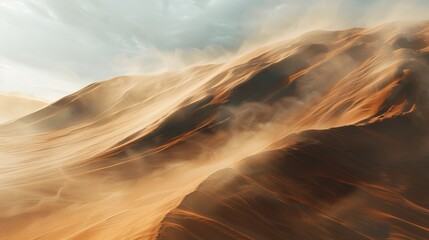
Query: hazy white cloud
[50, 48]
[280, 19]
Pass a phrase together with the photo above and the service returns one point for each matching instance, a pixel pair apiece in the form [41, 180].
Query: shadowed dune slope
[320, 137]
[354, 182]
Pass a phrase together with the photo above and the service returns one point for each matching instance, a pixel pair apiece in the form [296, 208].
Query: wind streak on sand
[322, 137]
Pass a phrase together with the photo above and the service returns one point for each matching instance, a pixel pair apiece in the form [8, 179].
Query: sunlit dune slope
[321, 137]
[13, 106]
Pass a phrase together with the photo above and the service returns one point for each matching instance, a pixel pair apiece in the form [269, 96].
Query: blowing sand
[321, 137]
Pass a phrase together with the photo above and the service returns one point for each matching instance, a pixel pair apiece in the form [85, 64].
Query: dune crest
[321, 137]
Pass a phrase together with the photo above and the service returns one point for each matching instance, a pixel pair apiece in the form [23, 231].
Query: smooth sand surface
[15, 106]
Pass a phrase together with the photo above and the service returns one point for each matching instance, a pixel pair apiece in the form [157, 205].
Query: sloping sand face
[13, 107]
[322, 137]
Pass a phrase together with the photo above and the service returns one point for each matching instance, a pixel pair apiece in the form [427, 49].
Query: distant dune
[13, 106]
[321, 137]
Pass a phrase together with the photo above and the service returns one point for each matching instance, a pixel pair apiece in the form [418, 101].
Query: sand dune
[354, 182]
[13, 107]
[321, 137]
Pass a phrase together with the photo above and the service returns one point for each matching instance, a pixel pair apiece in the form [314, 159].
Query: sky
[51, 48]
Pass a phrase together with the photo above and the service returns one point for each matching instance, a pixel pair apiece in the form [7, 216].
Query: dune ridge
[320, 137]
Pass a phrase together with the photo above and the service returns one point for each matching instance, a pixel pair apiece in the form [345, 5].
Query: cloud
[95, 40]
[284, 19]
[88, 37]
